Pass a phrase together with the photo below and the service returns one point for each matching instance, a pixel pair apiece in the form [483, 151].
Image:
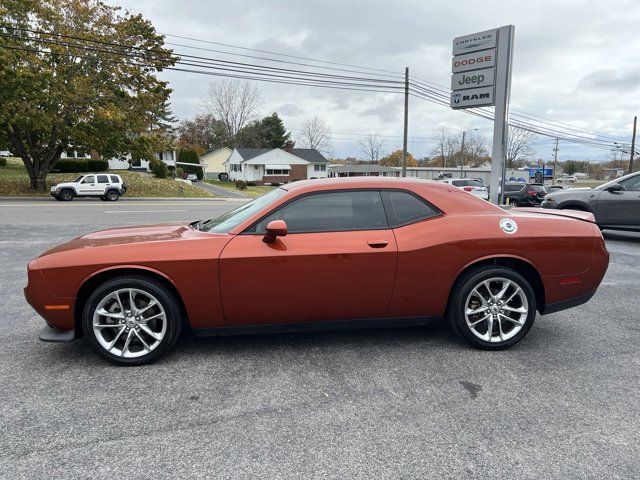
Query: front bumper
[49, 334]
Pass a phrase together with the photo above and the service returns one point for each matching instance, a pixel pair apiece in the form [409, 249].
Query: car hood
[130, 235]
[63, 184]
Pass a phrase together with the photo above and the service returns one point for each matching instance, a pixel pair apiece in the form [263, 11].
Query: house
[119, 163]
[275, 165]
[214, 161]
[362, 170]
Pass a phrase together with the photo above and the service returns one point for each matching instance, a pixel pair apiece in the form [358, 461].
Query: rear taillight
[468, 189]
[531, 193]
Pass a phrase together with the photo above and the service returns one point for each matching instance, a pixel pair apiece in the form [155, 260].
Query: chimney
[288, 147]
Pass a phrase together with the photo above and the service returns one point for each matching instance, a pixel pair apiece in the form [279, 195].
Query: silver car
[616, 204]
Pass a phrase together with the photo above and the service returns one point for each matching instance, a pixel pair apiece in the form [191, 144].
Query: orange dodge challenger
[336, 253]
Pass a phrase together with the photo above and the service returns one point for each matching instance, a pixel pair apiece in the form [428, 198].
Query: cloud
[574, 58]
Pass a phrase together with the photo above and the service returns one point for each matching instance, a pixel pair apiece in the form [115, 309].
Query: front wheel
[112, 195]
[492, 307]
[131, 320]
[66, 195]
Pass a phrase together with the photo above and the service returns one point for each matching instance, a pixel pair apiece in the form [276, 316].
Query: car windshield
[225, 223]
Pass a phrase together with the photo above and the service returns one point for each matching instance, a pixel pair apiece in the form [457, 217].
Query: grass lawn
[250, 191]
[14, 181]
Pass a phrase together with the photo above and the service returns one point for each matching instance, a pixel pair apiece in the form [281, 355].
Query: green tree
[189, 155]
[79, 73]
[269, 132]
[394, 159]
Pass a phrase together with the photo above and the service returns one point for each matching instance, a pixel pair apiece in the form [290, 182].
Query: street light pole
[406, 122]
[464, 132]
[633, 144]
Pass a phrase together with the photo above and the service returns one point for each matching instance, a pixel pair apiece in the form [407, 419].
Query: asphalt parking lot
[395, 403]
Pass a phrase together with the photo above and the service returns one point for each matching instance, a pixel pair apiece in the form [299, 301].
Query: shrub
[179, 172]
[97, 165]
[159, 168]
[171, 168]
[3, 162]
[80, 165]
[190, 156]
[241, 185]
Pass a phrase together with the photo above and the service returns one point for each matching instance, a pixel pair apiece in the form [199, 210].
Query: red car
[321, 254]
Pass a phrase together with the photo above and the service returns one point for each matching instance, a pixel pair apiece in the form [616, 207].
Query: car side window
[89, 179]
[330, 212]
[404, 208]
[103, 178]
[632, 184]
[115, 179]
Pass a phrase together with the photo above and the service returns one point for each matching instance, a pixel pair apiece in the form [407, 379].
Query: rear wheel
[66, 195]
[493, 307]
[132, 320]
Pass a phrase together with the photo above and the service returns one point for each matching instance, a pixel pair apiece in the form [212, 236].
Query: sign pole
[406, 122]
[504, 56]
[633, 144]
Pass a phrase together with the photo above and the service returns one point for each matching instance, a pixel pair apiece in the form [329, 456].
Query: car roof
[361, 182]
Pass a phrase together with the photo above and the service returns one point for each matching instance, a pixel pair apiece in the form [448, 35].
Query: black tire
[113, 195]
[461, 292]
[57, 198]
[66, 195]
[223, 177]
[104, 199]
[167, 301]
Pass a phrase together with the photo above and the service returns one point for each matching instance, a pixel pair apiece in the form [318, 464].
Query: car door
[103, 184]
[620, 207]
[337, 262]
[87, 185]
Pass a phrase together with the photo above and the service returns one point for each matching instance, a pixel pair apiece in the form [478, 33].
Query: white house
[121, 163]
[274, 165]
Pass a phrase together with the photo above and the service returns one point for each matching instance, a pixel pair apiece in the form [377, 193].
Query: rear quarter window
[404, 208]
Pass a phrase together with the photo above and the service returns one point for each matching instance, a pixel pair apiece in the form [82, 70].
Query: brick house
[275, 165]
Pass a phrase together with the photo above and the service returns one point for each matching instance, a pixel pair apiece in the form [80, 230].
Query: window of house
[404, 208]
[319, 168]
[70, 154]
[103, 178]
[277, 172]
[236, 167]
[160, 156]
[330, 212]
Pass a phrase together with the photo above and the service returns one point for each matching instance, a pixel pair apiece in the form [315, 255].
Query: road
[395, 403]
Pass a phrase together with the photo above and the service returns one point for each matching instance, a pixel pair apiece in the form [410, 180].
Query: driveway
[218, 191]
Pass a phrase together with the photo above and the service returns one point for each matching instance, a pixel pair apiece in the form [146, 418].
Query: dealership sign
[473, 68]
[473, 79]
[475, 97]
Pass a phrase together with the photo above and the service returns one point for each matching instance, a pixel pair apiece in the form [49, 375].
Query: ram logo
[456, 98]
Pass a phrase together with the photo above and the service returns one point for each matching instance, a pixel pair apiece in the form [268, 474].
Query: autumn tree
[316, 133]
[235, 103]
[79, 73]
[203, 133]
[394, 159]
[372, 147]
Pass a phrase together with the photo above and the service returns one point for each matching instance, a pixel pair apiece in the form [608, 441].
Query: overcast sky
[574, 61]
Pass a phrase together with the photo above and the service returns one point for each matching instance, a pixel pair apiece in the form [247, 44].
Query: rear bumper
[49, 334]
[566, 304]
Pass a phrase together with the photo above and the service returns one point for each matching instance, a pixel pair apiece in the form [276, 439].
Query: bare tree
[474, 148]
[372, 147]
[316, 133]
[519, 145]
[234, 103]
[446, 145]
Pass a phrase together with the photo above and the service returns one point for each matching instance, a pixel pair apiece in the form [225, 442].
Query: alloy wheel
[129, 322]
[496, 309]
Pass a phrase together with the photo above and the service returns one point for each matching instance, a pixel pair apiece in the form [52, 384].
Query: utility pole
[555, 162]
[462, 155]
[633, 144]
[406, 121]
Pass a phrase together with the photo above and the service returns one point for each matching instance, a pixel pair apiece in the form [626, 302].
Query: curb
[127, 199]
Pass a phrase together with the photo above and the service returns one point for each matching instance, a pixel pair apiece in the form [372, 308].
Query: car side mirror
[616, 187]
[275, 228]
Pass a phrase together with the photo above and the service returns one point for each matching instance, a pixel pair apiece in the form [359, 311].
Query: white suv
[472, 185]
[106, 186]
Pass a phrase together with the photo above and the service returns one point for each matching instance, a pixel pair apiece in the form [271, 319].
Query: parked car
[566, 179]
[615, 204]
[473, 186]
[521, 194]
[192, 177]
[320, 254]
[105, 186]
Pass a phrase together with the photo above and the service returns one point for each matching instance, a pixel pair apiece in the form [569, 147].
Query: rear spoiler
[576, 214]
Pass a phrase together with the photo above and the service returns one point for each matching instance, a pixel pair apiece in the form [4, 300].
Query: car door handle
[377, 243]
